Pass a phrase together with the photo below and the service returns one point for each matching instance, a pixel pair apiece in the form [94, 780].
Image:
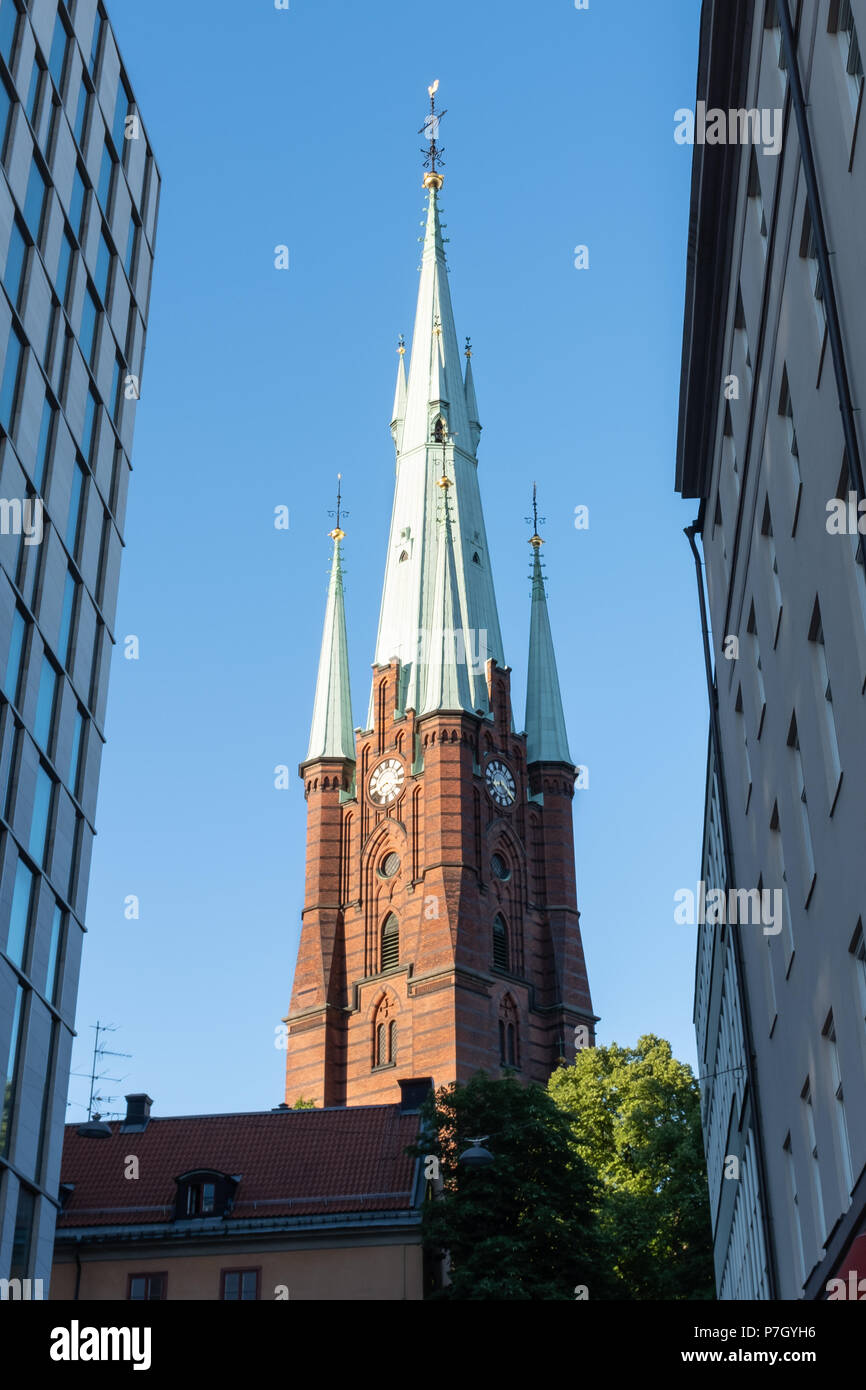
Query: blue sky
[299, 127]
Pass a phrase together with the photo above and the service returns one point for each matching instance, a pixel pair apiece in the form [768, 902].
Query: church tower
[440, 930]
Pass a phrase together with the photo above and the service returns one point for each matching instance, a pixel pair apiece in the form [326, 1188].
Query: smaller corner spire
[471, 400]
[433, 151]
[399, 414]
[546, 735]
[332, 733]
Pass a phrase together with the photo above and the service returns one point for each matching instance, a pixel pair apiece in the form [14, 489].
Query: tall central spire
[436, 431]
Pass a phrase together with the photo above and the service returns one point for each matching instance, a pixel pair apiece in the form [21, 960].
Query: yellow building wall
[371, 1272]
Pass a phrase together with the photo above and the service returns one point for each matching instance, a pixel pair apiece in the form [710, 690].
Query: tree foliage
[635, 1116]
[524, 1227]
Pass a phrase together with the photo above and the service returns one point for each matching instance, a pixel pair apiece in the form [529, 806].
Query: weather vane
[337, 534]
[433, 152]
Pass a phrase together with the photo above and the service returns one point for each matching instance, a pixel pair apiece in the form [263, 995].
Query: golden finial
[338, 534]
[401, 346]
[468, 349]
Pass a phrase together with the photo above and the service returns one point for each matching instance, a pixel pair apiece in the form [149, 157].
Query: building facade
[79, 193]
[273, 1205]
[771, 443]
[440, 930]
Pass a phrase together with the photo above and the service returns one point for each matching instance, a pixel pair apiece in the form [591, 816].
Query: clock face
[387, 781]
[500, 783]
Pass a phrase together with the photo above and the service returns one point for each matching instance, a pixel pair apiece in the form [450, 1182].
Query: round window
[390, 865]
[499, 867]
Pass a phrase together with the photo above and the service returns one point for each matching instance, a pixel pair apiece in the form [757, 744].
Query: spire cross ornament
[535, 540]
[468, 349]
[337, 534]
[433, 153]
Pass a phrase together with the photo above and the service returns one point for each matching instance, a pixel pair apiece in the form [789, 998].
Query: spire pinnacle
[546, 736]
[332, 732]
[535, 540]
[337, 534]
[433, 152]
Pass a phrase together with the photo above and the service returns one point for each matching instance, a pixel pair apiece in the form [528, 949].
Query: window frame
[247, 1269]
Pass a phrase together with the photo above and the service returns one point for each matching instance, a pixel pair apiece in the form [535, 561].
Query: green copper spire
[546, 737]
[445, 653]
[437, 431]
[332, 734]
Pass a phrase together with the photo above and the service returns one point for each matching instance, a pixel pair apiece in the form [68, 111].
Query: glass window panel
[15, 259]
[88, 325]
[8, 1097]
[105, 171]
[75, 760]
[19, 917]
[63, 642]
[33, 92]
[103, 265]
[76, 203]
[90, 413]
[121, 111]
[74, 508]
[6, 101]
[51, 980]
[43, 445]
[22, 1236]
[8, 25]
[41, 814]
[95, 44]
[58, 52]
[131, 241]
[45, 704]
[81, 115]
[248, 1284]
[232, 1283]
[34, 201]
[9, 383]
[13, 663]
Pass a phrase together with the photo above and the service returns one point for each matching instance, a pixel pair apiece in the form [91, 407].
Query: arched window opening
[384, 1035]
[476, 558]
[390, 943]
[509, 1042]
[404, 555]
[500, 944]
[439, 431]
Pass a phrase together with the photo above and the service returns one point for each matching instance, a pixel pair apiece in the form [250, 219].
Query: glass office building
[79, 193]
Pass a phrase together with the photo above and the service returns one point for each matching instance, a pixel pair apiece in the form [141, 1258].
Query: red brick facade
[444, 1010]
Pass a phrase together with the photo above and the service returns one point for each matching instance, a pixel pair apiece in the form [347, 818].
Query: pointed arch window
[439, 431]
[476, 558]
[509, 1052]
[404, 556]
[390, 955]
[384, 1035]
[500, 943]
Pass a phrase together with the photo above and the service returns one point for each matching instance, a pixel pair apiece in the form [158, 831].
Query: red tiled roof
[292, 1163]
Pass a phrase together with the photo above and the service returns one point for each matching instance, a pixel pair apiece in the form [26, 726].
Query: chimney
[137, 1113]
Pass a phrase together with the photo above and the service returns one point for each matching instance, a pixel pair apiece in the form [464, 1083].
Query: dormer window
[200, 1197]
[403, 556]
[204, 1193]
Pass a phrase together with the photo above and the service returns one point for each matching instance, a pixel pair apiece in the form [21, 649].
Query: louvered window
[500, 945]
[390, 943]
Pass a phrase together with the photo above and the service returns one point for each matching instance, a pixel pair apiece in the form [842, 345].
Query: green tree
[523, 1227]
[636, 1119]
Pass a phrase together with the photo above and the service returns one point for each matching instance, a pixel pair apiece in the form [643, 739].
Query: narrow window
[820, 1218]
[799, 791]
[840, 1118]
[390, 943]
[11, 379]
[809, 253]
[795, 1207]
[824, 702]
[786, 410]
[752, 630]
[500, 944]
[841, 22]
